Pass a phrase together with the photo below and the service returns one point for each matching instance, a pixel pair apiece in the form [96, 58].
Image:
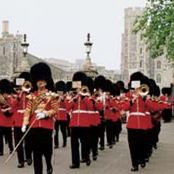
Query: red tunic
[4, 120]
[61, 111]
[80, 112]
[47, 104]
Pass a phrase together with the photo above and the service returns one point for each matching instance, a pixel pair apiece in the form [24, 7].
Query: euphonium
[143, 90]
[26, 86]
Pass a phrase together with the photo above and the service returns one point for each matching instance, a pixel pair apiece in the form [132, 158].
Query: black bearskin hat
[25, 75]
[157, 91]
[90, 85]
[41, 71]
[100, 82]
[5, 86]
[68, 86]
[137, 76]
[121, 87]
[108, 87]
[80, 76]
[116, 91]
[60, 86]
[120, 84]
[166, 91]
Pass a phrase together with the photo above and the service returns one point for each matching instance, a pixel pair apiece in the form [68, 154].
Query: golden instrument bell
[143, 90]
[26, 86]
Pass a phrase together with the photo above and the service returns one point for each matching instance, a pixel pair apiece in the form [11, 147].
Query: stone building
[135, 57]
[12, 61]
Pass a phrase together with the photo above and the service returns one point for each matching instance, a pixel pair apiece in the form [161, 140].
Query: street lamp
[88, 67]
[25, 45]
[88, 45]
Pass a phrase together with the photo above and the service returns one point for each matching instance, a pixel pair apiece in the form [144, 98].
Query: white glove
[40, 116]
[24, 128]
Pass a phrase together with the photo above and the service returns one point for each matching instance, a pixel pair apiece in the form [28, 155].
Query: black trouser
[167, 115]
[7, 133]
[149, 142]
[102, 127]
[156, 131]
[62, 125]
[137, 145]
[109, 131]
[18, 134]
[68, 128]
[82, 134]
[117, 129]
[41, 145]
[94, 140]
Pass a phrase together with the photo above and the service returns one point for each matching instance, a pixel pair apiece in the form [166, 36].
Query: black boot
[88, 162]
[50, 171]
[74, 166]
[21, 165]
[134, 168]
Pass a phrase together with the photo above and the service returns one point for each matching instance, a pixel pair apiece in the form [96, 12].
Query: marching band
[32, 109]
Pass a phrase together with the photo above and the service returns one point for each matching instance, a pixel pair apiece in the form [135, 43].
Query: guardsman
[23, 87]
[61, 116]
[79, 122]
[100, 85]
[41, 107]
[6, 114]
[166, 113]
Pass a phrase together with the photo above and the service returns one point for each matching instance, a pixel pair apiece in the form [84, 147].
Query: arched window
[158, 64]
[141, 63]
[158, 78]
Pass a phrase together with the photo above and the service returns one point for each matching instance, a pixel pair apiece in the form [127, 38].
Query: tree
[157, 24]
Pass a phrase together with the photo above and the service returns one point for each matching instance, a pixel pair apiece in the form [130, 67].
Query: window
[158, 78]
[141, 50]
[141, 63]
[158, 64]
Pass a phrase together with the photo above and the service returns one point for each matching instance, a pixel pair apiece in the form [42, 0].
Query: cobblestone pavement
[110, 161]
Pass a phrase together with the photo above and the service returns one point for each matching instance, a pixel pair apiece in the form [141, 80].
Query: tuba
[26, 86]
[143, 90]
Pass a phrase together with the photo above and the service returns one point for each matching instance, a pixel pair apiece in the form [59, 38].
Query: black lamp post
[25, 45]
[88, 67]
[88, 45]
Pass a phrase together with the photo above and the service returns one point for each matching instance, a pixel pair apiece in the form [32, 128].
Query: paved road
[110, 161]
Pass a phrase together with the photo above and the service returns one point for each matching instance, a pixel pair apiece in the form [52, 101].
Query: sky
[58, 28]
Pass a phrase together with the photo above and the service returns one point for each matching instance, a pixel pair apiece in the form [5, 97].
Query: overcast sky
[58, 28]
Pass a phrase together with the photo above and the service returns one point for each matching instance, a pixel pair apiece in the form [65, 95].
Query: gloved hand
[24, 128]
[40, 116]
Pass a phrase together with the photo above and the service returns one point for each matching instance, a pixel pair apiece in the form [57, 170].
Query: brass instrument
[96, 94]
[143, 90]
[84, 90]
[26, 86]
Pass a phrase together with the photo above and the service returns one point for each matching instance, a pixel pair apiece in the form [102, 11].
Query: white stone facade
[135, 57]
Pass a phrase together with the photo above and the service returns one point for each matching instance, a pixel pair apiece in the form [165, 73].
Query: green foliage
[157, 26]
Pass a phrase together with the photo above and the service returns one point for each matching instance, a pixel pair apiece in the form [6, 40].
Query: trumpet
[96, 94]
[26, 86]
[143, 90]
[84, 90]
